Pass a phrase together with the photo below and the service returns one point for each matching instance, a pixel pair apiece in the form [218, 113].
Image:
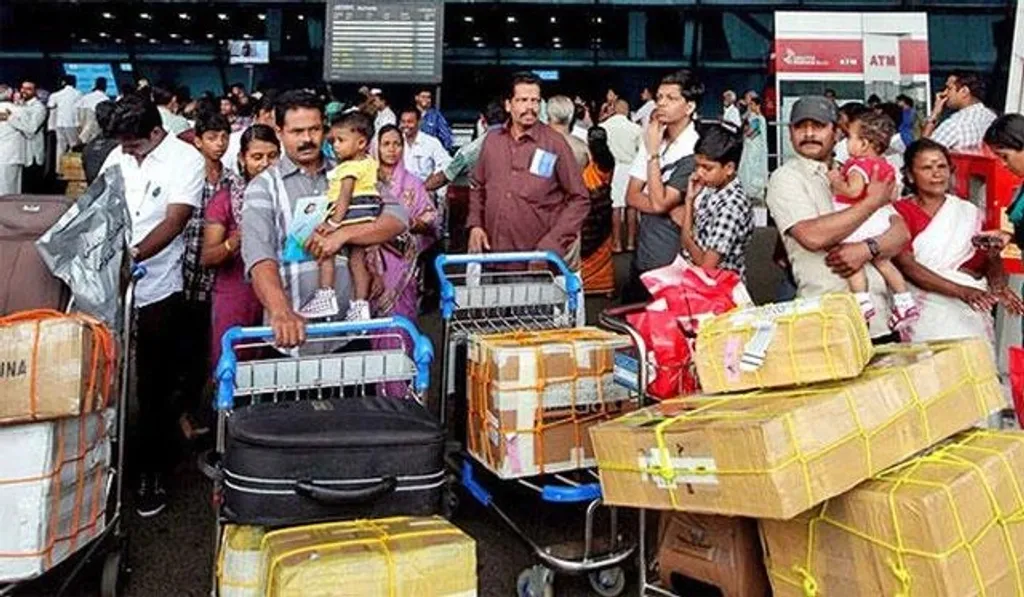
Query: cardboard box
[54, 367]
[801, 342]
[426, 557]
[722, 551]
[71, 167]
[949, 523]
[534, 396]
[775, 454]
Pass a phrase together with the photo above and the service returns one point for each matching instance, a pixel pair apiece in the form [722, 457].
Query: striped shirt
[966, 128]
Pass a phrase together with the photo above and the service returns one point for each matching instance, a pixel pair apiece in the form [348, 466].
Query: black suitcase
[310, 461]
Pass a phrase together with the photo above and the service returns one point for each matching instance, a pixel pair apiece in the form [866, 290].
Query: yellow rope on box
[666, 470]
[901, 475]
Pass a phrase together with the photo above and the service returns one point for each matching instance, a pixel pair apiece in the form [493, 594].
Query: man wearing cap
[800, 201]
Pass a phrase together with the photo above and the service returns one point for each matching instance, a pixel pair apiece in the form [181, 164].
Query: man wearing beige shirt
[624, 138]
[800, 201]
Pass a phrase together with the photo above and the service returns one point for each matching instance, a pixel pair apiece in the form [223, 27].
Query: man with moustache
[30, 121]
[527, 189]
[800, 201]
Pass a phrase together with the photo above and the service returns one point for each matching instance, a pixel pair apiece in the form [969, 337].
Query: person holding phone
[964, 129]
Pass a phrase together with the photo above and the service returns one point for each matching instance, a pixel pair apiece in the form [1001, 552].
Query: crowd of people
[285, 207]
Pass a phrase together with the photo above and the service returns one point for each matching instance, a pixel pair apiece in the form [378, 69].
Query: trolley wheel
[609, 582]
[114, 568]
[536, 581]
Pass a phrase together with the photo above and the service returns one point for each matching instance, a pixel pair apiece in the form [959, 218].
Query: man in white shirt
[731, 112]
[30, 121]
[12, 146]
[643, 115]
[385, 115]
[624, 138]
[167, 104]
[163, 183]
[965, 129]
[86, 109]
[423, 154]
[668, 145]
[92, 99]
[65, 116]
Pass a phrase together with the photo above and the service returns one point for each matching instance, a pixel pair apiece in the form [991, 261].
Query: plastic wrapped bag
[86, 248]
[1016, 367]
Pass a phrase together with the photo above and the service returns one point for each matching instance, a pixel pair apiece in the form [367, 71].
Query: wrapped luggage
[425, 557]
[53, 365]
[786, 344]
[532, 397]
[722, 551]
[946, 523]
[53, 491]
[240, 562]
[28, 282]
[775, 454]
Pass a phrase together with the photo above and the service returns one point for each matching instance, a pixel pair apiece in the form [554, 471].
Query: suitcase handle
[339, 497]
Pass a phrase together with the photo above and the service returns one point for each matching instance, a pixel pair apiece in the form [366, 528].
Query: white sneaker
[358, 311]
[322, 304]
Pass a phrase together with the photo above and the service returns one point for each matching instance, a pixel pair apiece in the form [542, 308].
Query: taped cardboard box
[949, 523]
[52, 366]
[787, 344]
[534, 396]
[240, 561]
[721, 551]
[775, 454]
[425, 557]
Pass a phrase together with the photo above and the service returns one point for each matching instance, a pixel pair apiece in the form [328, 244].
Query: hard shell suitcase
[25, 281]
[306, 461]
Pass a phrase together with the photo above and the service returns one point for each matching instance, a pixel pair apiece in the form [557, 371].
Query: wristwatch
[873, 247]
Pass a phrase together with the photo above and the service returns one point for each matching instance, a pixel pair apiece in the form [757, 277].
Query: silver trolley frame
[321, 374]
[524, 300]
[112, 542]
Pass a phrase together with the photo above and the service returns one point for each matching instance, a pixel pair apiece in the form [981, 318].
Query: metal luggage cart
[325, 374]
[525, 300]
[615, 319]
[111, 544]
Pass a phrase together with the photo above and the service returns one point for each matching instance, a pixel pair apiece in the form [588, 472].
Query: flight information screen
[385, 41]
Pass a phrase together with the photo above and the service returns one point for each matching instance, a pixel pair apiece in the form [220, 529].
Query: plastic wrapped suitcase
[305, 461]
[26, 282]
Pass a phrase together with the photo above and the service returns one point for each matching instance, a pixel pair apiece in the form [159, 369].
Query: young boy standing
[715, 218]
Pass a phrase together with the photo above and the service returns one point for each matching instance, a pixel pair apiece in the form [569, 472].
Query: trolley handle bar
[572, 280]
[423, 350]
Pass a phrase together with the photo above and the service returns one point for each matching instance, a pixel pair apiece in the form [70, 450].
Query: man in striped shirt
[965, 93]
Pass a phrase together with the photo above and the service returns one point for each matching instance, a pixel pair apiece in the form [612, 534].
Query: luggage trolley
[110, 544]
[325, 375]
[615, 319]
[525, 300]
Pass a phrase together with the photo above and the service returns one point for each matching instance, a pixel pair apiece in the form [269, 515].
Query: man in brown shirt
[527, 189]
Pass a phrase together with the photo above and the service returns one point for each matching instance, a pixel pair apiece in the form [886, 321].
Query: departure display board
[385, 41]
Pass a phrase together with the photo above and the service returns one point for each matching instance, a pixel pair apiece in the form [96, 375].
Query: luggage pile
[862, 466]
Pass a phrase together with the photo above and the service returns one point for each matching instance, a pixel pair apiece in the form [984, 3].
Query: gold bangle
[227, 246]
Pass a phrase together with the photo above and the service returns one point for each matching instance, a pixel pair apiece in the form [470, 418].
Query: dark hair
[233, 85]
[830, 91]
[134, 117]
[720, 143]
[906, 99]
[852, 110]
[521, 78]
[423, 89]
[230, 99]
[71, 80]
[597, 142]
[409, 110]
[920, 146]
[388, 128]
[207, 121]
[874, 100]
[877, 129]
[104, 112]
[296, 100]
[357, 122]
[972, 81]
[266, 103]
[1006, 132]
[495, 112]
[162, 95]
[100, 84]
[756, 100]
[256, 132]
[690, 86]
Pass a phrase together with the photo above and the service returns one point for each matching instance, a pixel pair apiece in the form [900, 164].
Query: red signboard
[819, 56]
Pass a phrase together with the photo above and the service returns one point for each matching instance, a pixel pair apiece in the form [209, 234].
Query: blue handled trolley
[525, 300]
[320, 374]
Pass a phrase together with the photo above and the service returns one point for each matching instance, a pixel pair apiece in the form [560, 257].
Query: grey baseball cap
[818, 108]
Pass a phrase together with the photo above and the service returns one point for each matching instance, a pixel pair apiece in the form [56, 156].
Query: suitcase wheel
[609, 582]
[536, 581]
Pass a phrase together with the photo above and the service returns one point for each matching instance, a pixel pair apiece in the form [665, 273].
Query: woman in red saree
[598, 269]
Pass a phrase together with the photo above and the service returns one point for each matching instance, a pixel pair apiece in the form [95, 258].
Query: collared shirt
[30, 121]
[434, 124]
[63, 105]
[799, 191]
[624, 138]
[173, 123]
[267, 210]
[732, 116]
[528, 194]
[966, 128]
[198, 280]
[92, 99]
[172, 173]
[13, 144]
[465, 160]
[424, 156]
[643, 115]
[723, 222]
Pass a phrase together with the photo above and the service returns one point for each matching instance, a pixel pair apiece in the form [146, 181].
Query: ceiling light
[468, 19]
[477, 38]
[261, 17]
[83, 41]
[554, 19]
[510, 19]
[145, 15]
[556, 39]
[183, 16]
[481, 45]
[104, 34]
[288, 37]
[107, 15]
[519, 45]
[188, 42]
[246, 36]
[119, 41]
[153, 40]
[558, 46]
[173, 36]
[140, 35]
[516, 39]
[598, 19]
[222, 16]
[302, 17]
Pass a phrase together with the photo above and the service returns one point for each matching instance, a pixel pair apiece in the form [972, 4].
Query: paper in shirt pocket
[543, 163]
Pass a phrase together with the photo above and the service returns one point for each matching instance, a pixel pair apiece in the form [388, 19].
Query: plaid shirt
[198, 279]
[723, 222]
[966, 128]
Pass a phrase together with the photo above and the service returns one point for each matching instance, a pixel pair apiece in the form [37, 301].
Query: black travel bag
[306, 461]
